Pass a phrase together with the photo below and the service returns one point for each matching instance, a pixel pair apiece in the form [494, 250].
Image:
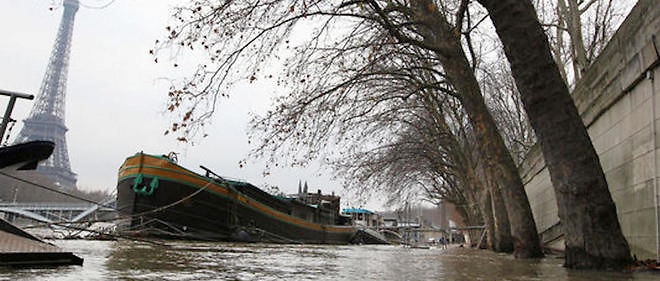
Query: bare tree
[430, 29]
[579, 30]
[586, 210]
[504, 102]
[428, 155]
[336, 79]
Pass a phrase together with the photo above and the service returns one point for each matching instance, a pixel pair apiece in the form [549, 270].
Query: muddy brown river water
[126, 260]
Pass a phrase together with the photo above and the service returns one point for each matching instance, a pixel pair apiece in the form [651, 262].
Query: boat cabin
[363, 217]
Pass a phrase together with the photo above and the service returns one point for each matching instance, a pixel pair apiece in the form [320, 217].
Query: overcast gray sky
[116, 95]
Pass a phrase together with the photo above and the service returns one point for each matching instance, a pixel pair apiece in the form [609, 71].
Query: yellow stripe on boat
[163, 168]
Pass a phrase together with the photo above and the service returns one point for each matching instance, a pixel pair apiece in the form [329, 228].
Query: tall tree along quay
[587, 212]
[439, 36]
[346, 66]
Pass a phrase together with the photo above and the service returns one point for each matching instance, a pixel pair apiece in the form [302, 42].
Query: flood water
[126, 260]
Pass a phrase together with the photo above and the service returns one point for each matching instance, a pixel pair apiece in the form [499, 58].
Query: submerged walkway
[19, 248]
[125, 260]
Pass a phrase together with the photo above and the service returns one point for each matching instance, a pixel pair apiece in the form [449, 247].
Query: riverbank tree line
[414, 96]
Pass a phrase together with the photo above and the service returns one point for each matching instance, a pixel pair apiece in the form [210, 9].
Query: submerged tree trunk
[501, 222]
[500, 230]
[471, 218]
[487, 215]
[586, 210]
[484, 202]
[461, 153]
[497, 160]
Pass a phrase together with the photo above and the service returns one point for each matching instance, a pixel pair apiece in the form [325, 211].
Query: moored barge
[163, 199]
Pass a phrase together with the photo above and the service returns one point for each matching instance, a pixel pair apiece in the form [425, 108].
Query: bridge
[57, 212]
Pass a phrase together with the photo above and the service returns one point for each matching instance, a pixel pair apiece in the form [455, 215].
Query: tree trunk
[484, 201]
[496, 158]
[501, 222]
[557, 48]
[487, 215]
[498, 162]
[586, 210]
[500, 230]
[470, 218]
[572, 18]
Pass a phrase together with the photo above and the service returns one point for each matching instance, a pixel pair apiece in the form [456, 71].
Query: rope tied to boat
[69, 224]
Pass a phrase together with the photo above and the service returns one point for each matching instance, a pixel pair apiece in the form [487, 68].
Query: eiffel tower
[46, 119]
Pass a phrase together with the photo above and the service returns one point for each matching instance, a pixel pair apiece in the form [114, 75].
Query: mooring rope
[279, 236]
[55, 190]
[117, 235]
[67, 224]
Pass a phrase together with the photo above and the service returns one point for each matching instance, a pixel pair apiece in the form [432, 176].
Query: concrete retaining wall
[614, 99]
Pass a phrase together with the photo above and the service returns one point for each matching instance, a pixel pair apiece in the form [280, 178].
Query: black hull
[25, 156]
[220, 213]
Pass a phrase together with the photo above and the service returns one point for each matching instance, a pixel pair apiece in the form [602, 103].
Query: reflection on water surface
[125, 260]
